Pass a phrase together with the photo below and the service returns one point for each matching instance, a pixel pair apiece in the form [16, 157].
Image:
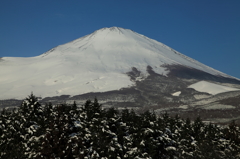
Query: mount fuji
[120, 67]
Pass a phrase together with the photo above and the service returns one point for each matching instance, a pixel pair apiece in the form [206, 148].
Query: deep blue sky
[206, 30]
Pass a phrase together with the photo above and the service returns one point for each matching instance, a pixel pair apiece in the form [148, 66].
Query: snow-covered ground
[211, 88]
[94, 63]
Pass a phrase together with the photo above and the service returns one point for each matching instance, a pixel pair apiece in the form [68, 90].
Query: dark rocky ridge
[192, 73]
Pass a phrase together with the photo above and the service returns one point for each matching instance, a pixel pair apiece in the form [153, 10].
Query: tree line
[87, 131]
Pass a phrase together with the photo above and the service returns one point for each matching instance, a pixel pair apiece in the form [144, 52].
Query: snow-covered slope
[94, 63]
[211, 88]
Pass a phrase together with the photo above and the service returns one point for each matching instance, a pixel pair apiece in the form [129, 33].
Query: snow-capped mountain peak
[123, 48]
[97, 62]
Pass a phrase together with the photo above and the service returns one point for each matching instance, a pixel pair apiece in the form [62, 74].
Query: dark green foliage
[88, 131]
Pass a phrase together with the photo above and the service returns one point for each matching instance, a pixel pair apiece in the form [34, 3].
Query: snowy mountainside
[98, 62]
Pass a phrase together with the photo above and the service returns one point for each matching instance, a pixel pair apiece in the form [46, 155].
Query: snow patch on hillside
[176, 93]
[218, 106]
[211, 88]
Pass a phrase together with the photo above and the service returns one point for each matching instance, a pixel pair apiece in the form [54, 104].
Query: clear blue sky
[206, 30]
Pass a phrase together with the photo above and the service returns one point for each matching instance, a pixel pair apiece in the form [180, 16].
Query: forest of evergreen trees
[88, 131]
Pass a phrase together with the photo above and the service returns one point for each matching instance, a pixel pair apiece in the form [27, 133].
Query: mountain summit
[108, 59]
[118, 49]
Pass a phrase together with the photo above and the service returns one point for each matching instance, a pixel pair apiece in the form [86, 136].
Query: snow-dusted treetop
[97, 62]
